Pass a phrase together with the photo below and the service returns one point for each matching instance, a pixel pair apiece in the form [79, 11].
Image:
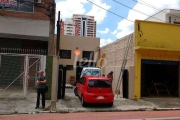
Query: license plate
[100, 97]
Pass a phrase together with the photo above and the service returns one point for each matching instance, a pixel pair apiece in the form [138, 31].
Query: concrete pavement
[13, 103]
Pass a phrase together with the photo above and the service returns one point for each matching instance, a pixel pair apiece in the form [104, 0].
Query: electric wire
[110, 11]
[153, 7]
[136, 10]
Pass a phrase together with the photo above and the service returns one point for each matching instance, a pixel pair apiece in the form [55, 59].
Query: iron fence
[23, 51]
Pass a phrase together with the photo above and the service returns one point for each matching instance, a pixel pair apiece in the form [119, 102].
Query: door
[125, 84]
[60, 79]
[64, 82]
[81, 86]
[159, 78]
[78, 73]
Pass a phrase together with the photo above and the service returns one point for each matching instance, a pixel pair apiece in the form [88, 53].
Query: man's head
[111, 72]
[41, 72]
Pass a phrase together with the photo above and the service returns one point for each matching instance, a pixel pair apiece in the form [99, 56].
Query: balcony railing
[23, 51]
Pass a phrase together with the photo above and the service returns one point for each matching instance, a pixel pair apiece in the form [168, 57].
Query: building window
[65, 54]
[69, 67]
[88, 55]
[17, 5]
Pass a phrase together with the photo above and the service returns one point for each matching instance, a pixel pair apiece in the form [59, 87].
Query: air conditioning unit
[39, 1]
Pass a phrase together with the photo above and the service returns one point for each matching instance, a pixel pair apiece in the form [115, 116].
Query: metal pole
[25, 76]
[58, 34]
[27, 70]
[44, 64]
[0, 63]
[41, 62]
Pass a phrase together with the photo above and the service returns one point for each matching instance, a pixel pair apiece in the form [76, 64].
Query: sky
[119, 22]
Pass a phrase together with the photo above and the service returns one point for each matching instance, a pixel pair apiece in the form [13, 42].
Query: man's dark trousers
[42, 92]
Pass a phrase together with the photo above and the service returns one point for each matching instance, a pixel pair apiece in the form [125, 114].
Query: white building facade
[166, 15]
[69, 27]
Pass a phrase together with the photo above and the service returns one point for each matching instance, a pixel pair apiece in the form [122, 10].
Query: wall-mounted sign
[17, 5]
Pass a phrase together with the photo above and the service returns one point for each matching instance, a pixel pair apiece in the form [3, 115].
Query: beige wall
[114, 58]
[83, 44]
[131, 82]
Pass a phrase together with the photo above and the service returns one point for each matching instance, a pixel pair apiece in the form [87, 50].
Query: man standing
[110, 76]
[41, 81]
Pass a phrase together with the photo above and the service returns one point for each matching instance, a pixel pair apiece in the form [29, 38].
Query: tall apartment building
[69, 27]
[87, 25]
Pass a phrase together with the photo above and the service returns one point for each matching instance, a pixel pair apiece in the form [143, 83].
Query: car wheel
[110, 104]
[75, 91]
[83, 102]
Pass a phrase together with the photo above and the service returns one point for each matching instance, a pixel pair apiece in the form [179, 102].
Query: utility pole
[51, 49]
[58, 34]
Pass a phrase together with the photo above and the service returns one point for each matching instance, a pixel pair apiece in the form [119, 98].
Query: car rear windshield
[93, 72]
[99, 83]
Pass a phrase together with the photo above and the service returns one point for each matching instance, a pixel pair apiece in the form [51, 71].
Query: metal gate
[18, 74]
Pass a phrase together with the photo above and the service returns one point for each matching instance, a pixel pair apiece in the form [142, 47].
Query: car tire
[110, 104]
[83, 102]
[75, 91]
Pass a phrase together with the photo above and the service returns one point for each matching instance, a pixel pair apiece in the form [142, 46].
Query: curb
[77, 110]
[165, 109]
[13, 113]
[80, 110]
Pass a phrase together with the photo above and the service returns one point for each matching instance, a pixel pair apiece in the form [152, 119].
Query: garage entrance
[159, 78]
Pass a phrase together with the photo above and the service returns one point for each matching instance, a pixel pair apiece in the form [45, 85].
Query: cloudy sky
[119, 21]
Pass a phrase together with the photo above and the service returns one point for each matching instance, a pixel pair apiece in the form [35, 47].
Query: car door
[82, 86]
[78, 85]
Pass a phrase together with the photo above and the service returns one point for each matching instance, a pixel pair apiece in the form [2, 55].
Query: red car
[95, 89]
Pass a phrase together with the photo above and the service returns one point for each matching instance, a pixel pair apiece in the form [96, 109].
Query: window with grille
[69, 67]
[88, 55]
[65, 54]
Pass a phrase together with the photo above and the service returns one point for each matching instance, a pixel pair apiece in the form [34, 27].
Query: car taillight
[110, 89]
[88, 89]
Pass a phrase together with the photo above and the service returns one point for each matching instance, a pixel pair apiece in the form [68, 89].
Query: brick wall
[37, 15]
[115, 52]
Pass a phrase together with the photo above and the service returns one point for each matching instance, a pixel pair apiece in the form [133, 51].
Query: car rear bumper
[92, 98]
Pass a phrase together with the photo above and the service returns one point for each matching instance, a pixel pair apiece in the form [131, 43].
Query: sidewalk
[71, 103]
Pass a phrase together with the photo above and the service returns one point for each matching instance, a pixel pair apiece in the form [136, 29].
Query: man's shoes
[36, 107]
[43, 107]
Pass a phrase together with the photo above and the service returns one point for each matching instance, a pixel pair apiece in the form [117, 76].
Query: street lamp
[77, 51]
